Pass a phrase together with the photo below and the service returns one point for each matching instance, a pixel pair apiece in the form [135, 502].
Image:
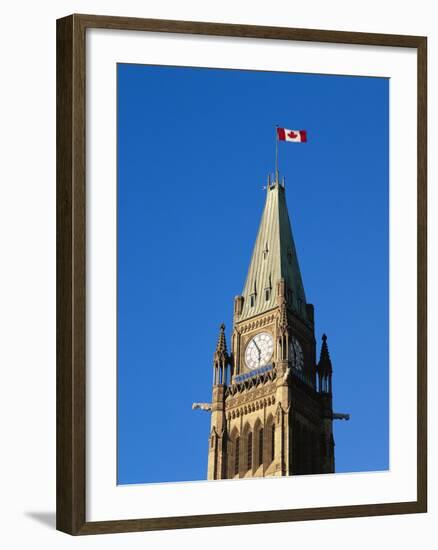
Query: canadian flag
[284, 134]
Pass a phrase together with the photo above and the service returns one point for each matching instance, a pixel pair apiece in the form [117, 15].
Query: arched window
[315, 454]
[298, 448]
[260, 446]
[273, 442]
[236, 455]
[307, 451]
[249, 452]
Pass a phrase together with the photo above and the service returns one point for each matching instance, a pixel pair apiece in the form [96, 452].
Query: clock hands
[259, 350]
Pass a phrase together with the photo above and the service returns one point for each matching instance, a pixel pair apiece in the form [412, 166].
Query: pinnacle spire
[325, 364]
[221, 341]
[324, 368]
[221, 359]
[283, 323]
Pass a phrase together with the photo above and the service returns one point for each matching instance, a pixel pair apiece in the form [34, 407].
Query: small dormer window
[252, 297]
[268, 289]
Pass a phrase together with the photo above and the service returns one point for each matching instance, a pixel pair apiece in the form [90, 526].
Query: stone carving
[286, 374]
[250, 396]
[256, 324]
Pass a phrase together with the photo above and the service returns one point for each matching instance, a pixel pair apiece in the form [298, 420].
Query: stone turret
[324, 368]
[221, 359]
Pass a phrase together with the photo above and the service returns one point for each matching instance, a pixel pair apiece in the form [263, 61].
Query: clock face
[296, 354]
[259, 350]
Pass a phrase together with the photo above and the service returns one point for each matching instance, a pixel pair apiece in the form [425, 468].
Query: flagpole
[276, 154]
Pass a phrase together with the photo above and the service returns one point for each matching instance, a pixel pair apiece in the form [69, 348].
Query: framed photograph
[241, 274]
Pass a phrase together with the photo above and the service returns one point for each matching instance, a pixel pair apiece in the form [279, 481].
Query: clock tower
[271, 409]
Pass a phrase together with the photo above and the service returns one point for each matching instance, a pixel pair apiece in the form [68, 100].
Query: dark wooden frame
[71, 231]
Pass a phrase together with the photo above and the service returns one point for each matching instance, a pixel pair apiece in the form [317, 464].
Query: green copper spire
[274, 257]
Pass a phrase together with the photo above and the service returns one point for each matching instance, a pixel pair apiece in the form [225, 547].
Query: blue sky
[195, 147]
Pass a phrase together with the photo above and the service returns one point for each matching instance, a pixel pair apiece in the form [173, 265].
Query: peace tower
[271, 409]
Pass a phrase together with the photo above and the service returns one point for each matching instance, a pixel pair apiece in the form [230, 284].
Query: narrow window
[307, 452]
[261, 446]
[296, 447]
[323, 446]
[252, 300]
[267, 293]
[249, 455]
[236, 456]
[314, 448]
[273, 442]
